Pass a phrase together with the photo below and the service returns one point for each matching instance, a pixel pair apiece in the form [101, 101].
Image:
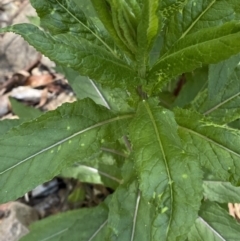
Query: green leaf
[84, 87]
[6, 125]
[84, 224]
[196, 49]
[89, 59]
[101, 170]
[169, 7]
[196, 81]
[214, 145]
[147, 32]
[65, 17]
[221, 101]
[167, 174]
[235, 124]
[105, 12]
[196, 15]
[214, 224]
[46, 145]
[130, 215]
[220, 191]
[24, 112]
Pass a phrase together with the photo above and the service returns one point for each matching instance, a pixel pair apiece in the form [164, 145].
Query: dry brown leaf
[39, 80]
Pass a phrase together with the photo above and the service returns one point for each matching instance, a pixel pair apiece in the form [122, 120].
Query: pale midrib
[191, 26]
[189, 47]
[104, 43]
[220, 104]
[135, 215]
[66, 139]
[95, 170]
[114, 152]
[210, 140]
[54, 235]
[196, 20]
[170, 181]
[100, 94]
[99, 229]
[212, 229]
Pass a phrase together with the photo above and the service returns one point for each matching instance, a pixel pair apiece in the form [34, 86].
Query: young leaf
[147, 32]
[105, 12]
[197, 49]
[221, 101]
[214, 224]
[45, 146]
[85, 224]
[167, 174]
[89, 59]
[220, 191]
[214, 145]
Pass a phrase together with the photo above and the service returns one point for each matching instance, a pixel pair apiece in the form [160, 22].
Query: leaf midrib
[68, 138]
[211, 228]
[103, 42]
[191, 26]
[210, 140]
[170, 181]
[189, 47]
[96, 171]
[220, 104]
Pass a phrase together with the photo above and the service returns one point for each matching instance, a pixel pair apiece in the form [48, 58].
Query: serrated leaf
[214, 145]
[196, 49]
[89, 59]
[195, 16]
[65, 17]
[45, 146]
[214, 224]
[221, 101]
[85, 224]
[166, 172]
[24, 112]
[220, 191]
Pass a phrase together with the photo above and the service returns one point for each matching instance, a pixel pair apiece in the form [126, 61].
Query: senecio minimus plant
[172, 159]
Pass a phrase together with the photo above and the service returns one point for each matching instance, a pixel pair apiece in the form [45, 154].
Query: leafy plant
[173, 161]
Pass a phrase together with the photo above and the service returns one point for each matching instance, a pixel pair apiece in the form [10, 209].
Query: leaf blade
[215, 143]
[89, 59]
[194, 50]
[67, 142]
[74, 224]
[214, 224]
[156, 145]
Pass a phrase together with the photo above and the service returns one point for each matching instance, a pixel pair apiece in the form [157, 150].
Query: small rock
[15, 217]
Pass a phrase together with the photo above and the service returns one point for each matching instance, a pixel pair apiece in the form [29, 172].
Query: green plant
[173, 161]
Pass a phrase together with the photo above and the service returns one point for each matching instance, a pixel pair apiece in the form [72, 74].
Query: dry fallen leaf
[39, 80]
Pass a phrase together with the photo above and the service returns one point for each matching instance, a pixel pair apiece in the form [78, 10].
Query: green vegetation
[172, 158]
